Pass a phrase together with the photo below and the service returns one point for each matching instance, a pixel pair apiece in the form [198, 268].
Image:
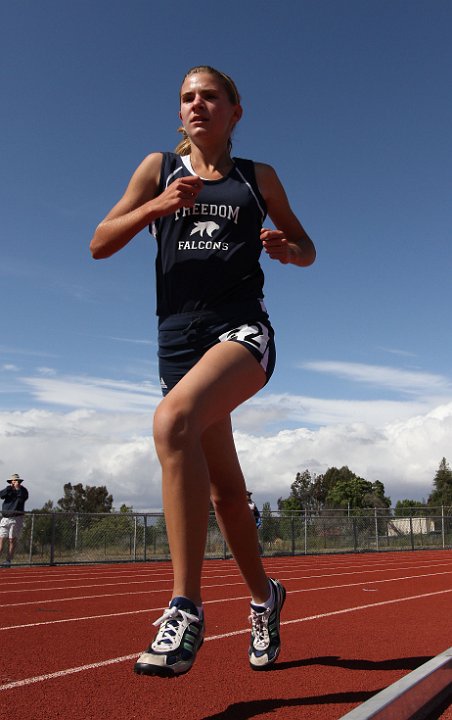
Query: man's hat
[15, 477]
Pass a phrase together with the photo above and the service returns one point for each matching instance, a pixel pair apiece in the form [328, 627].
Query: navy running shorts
[184, 338]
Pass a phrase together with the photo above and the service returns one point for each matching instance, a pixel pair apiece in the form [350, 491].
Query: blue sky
[350, 101]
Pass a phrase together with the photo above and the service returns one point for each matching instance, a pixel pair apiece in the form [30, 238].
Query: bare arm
[290, 243]
[140, 205]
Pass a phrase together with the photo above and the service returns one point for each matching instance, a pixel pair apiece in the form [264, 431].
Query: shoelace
[259, 625]
[169, 624]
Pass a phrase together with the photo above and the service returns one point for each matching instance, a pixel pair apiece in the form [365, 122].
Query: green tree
[442, 492]
[307, 494]
[377, 498]
[347, 490]
[290, 505]
[269, 524]
[40, 521]
[112, 530]
[407, 508]
[85, 499]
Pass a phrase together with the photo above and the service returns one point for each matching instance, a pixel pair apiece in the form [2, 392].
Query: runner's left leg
[224, 377]
[228, 493]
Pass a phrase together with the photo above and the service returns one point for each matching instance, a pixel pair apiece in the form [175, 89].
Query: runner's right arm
[140, 205]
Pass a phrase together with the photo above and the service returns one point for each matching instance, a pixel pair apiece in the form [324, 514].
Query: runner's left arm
[289, 243]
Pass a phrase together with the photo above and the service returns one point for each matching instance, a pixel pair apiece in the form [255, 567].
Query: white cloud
[135, 341]
[323, 411]
[46, 371]
[51, 448]
[10, 350]
[99, 393]
[404, 455]
[395, 378]
[107, 438]
[397, 351]
[115, 449]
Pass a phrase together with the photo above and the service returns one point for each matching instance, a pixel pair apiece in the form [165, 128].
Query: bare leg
[12, 547]
[228, 492]
[225, 377]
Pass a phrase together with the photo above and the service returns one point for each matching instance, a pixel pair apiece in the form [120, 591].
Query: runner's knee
[230, 502]
[173, 426]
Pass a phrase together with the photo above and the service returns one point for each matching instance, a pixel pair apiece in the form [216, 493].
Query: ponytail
[184, 147]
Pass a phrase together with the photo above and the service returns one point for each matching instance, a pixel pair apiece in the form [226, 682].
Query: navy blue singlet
[208, 255]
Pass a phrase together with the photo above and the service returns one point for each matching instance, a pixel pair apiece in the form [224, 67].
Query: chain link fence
[56, 538]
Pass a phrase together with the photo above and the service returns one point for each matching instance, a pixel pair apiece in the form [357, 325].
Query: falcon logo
[207, 226]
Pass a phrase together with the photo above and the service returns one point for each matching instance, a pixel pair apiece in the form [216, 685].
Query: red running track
[352, 625]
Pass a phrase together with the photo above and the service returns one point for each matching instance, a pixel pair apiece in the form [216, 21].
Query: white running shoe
[173, 650]
[265, 642]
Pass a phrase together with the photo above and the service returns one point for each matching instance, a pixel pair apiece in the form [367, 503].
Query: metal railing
[55, 538]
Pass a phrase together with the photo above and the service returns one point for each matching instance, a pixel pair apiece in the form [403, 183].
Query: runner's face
[205, 108]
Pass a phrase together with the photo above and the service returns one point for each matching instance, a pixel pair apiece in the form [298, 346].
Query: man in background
[253, 507]
[256, 514]
[14, 497]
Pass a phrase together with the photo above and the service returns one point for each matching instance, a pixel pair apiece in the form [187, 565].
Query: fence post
[134, 538]
[52, 541]
[443, 529]
[411, 532]
[76, 532]
[376, 530]
[32, 531]
[305, 532]
[145, 523]
[293, 535]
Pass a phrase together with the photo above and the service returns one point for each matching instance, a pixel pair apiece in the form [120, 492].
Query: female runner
[216, 347]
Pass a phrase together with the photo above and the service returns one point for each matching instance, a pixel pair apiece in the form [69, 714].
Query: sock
[269, 603]
[190, 604]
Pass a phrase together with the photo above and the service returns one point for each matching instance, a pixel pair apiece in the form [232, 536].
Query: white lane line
[206, 602]
[124, 658]
[87, 576]
[62, 673]
[208, 587]
[359, 568]
[226, 575]
[107, 595]
[99, 584]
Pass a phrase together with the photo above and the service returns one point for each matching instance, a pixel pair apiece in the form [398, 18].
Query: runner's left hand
[276, 245]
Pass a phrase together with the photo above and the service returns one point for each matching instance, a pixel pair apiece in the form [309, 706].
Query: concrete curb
[413, 697]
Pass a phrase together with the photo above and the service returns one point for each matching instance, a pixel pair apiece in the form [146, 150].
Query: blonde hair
[184, 147]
